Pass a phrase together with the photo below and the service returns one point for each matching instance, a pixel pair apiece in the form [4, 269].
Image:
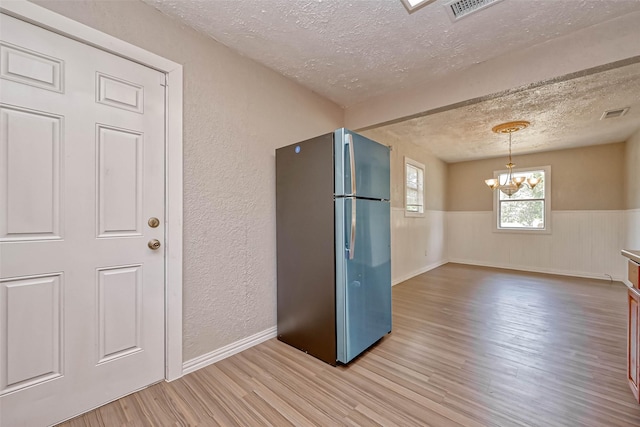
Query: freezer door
[363, 275]
[362, 166]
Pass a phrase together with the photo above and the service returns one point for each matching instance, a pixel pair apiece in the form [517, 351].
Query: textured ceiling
[564, 114]
[350, 51]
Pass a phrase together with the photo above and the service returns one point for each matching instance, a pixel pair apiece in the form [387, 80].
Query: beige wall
[587, 178]
[632, 192]
[236, 113]
[632, 172]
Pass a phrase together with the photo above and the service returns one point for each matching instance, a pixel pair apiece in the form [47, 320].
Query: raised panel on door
[119, 311]
[31, 68]
[119, 93]
[31, 156]
[119, 177]
[30, 331]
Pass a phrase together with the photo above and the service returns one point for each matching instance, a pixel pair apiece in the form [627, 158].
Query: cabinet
[633, 342]
[634, 274]
[633, 319]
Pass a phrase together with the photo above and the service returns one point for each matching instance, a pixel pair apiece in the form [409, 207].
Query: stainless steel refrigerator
[334, 245]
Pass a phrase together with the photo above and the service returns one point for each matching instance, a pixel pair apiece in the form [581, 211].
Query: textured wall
[632, 192]
[632, 172]
[588, 178]
[236, 113]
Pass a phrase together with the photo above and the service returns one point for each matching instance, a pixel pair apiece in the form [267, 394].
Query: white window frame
[547, 203]
[69, 28]
[418, 165]
[413, 5]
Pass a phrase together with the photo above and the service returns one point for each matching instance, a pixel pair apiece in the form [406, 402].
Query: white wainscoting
[632, 229]
[418, 244]
[582, 243]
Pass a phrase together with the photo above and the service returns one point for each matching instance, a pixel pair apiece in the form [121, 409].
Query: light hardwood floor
[470, 346]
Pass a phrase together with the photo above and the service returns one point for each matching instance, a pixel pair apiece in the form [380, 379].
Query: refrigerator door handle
[352, 237]
[352, 164]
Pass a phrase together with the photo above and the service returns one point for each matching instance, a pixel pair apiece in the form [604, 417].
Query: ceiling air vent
[460, 8]
[618, 112]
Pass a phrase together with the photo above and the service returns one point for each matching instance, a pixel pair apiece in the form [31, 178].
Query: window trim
[418, 5]
[547, 203]
[416, 164]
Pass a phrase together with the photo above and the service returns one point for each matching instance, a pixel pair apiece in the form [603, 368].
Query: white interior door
[81, 172]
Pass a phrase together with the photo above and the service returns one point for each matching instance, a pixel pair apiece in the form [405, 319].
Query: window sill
[413, 214]
[541, 231]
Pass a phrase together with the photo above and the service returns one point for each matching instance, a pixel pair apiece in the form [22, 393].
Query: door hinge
[164, 80]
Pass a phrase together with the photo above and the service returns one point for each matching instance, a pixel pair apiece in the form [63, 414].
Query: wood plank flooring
[470, 346]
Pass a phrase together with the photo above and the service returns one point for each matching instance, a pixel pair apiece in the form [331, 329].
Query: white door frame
[59, 24]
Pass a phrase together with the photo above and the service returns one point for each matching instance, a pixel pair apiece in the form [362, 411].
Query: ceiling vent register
[611, 114]
[460, 8]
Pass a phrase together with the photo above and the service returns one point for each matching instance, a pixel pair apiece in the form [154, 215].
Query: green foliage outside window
[525, 209]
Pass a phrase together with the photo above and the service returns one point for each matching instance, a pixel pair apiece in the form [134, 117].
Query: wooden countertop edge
[631, 254]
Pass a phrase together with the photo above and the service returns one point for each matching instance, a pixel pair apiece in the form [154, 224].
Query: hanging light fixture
[512, 184]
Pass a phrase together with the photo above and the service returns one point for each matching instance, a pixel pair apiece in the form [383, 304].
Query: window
[414, 188]
[529, 209]
[413, 5]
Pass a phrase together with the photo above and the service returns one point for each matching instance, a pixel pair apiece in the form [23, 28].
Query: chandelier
[512, 183]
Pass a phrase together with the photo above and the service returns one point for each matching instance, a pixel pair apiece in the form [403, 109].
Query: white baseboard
[228, 350]
[418, 272]
[537, 270]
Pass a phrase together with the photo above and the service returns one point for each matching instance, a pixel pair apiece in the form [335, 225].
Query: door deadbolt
[153, 222]
[154, 244]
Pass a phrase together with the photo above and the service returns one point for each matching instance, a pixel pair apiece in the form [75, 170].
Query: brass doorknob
[154, 244]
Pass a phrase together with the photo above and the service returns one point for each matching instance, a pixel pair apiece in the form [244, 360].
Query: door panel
[30, 150]
[31, 68]
[120, 94]
[119, 161]
[366, 285]
[119, 311]
[372, 170]
[32, 304]
[82, 141]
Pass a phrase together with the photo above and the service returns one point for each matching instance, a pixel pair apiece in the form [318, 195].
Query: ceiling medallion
[510, 127]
